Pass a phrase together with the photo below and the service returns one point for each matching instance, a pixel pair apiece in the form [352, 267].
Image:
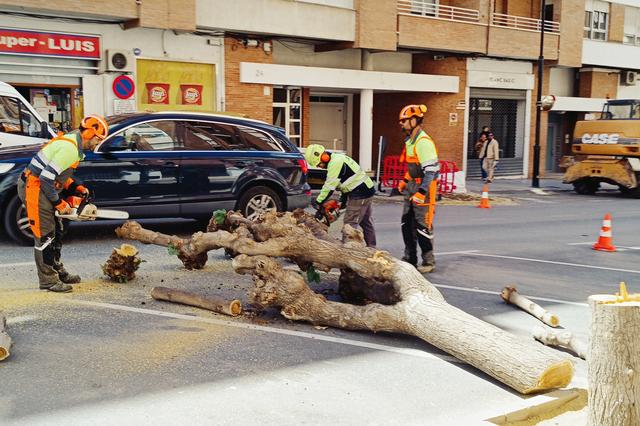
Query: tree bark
[419, 308]
[5, 339]
[511, 295]
[614, 362]
[215, 304]
[561, 338]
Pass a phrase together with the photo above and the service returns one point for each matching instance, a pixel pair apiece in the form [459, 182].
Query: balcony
[519, 37]
[448, 28]
[424, 25]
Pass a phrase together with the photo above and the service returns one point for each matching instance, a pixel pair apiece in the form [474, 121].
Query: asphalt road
[108, 353]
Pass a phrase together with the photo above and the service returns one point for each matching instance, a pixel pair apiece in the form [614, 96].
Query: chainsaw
[83, 210]
[328, 212]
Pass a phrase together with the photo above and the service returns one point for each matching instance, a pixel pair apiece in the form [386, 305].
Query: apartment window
[287, 112]
[596, 20]
[632, 26]
[424, 7]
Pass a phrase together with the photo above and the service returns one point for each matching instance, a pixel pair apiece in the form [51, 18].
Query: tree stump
[614, 361]
[122, 264]
[416, 306]
[5, 339]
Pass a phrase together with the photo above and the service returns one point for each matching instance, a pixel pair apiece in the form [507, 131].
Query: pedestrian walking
[478, 148]
[345, 175]
[490, 155]
[419, 187]
[40, 186]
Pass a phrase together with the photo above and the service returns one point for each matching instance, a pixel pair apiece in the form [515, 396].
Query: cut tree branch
[413, 306]
[215, 304]
[561, 338]
[511, 295]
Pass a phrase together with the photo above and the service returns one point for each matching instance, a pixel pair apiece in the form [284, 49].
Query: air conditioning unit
[629, 78]
[116, 60]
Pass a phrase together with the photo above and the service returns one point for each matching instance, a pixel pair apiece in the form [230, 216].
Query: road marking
[535, 200]
[578, 265]
[404, 351]
[477, 290]
[9, 265]
[456, 252]
[22, 318]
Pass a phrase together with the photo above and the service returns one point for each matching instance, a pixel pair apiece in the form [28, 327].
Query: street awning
[318, 77]
[572, 103]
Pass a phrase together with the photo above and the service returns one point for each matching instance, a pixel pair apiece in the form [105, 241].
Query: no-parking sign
[123, 87]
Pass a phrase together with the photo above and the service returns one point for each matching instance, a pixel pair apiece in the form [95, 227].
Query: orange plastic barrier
[393, 172]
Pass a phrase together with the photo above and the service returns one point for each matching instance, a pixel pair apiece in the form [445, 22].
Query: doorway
[328, 121]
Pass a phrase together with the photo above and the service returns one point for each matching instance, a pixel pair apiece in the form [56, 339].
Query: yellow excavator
[607, 150]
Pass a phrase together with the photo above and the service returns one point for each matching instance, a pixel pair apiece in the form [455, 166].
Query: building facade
[334, 72]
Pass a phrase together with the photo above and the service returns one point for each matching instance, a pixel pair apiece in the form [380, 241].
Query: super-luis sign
[36, 43]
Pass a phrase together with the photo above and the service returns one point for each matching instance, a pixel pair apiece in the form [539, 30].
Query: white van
[20, 124]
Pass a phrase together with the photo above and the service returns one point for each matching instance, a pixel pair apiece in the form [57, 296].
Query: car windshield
[622, 111]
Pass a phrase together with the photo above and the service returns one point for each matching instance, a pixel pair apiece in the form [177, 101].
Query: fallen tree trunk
[561, 338]
[419, 308]
[215, 304]
[511, 295]
[5, 339]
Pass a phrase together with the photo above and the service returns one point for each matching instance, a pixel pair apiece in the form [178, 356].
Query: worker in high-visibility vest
[40, 187]
[419, 187]
[346, 175]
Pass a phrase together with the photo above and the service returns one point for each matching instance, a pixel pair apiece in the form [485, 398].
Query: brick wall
[570, 14]
[595, 84]
[376, 24]
[246, 98]
[306, 114]
[449, 139]
[616, 22]
[543, 123]
[169, 14]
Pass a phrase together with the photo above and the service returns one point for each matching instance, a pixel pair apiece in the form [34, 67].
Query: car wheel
[258, 200]
[586, 186]
[16, 223]
[630, 192]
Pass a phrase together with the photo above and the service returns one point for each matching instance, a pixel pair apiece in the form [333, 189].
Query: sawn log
[5, 339]
[215, 304]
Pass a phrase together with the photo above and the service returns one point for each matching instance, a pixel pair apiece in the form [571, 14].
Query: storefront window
[287, 112]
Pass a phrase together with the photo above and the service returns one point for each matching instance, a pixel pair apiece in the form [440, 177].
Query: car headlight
[5, 167]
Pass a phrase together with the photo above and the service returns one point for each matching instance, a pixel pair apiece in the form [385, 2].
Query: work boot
[425, 268]
[58, 287]
[428, 263]
[68, 278]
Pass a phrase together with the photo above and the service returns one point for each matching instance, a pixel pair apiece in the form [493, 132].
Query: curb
[544, 407]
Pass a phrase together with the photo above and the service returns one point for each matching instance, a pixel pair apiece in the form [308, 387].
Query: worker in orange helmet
[40, 187]
[419, 187]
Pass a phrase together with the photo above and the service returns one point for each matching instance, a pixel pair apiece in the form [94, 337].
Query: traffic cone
[484, 201]
[605, 242]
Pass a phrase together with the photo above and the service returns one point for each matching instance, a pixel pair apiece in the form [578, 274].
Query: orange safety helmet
[412, 111]
[94, 125]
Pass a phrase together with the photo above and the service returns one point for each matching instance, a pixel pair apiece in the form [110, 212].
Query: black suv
[170, 164]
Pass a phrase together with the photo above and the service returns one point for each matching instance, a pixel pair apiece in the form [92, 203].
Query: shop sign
[35, 43]
[123, 86]
[500, 80]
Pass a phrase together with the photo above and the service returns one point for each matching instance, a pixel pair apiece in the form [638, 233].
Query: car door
[137, 169]
[208, 167]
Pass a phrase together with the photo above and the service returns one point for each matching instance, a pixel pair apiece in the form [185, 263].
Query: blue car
[172, 164]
